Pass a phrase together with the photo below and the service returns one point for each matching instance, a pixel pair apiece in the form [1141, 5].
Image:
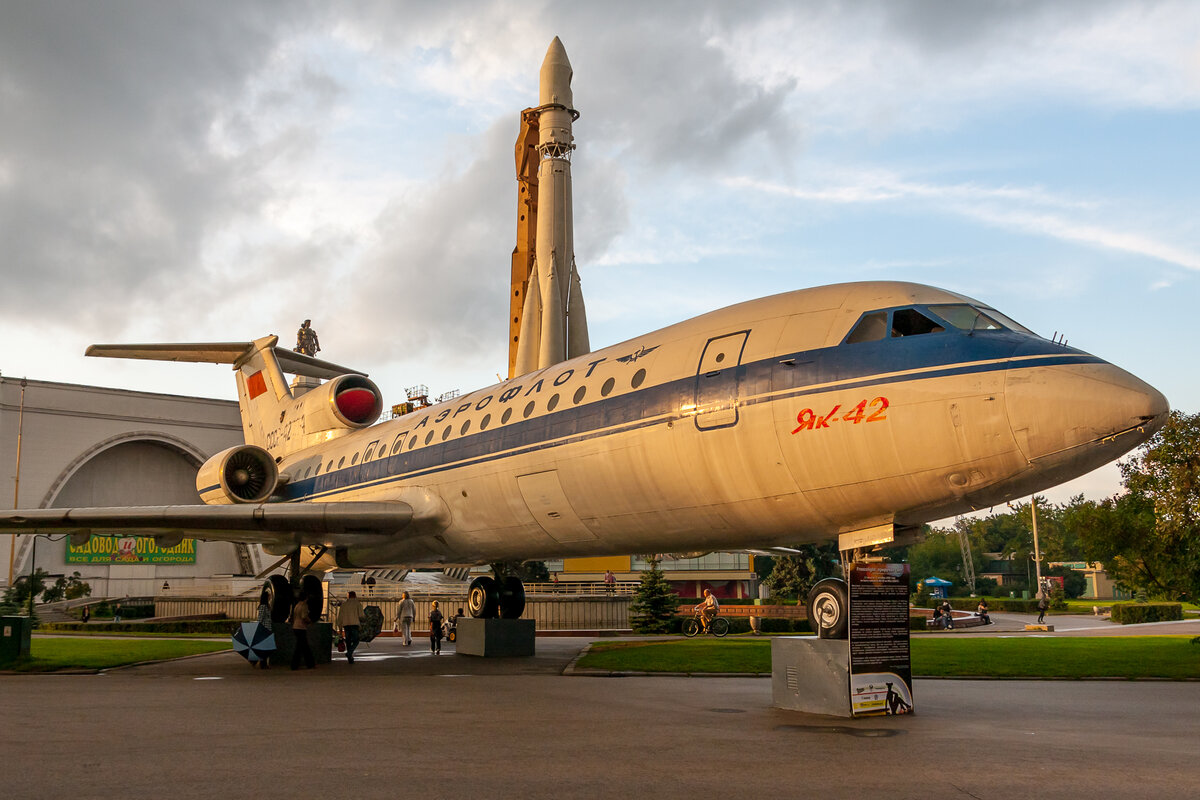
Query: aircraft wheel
[828, 609]
[512, 598]
[279, 597]
[483, 598]
[315, 590]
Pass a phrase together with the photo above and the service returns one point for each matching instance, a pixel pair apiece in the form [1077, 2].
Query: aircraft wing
[331, 524]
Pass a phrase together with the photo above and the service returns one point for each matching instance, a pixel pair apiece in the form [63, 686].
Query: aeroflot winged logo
[636, 354]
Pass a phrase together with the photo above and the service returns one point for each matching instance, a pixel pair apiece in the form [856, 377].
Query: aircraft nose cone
[1082, 413]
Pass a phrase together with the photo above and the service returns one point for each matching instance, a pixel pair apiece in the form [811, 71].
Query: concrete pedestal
[320, 639]
[495, 638]
[811, 675]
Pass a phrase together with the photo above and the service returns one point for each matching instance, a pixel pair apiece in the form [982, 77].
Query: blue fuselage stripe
[778, 378]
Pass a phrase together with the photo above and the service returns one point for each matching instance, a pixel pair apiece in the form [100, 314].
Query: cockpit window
[1007, 321]
[967, 318]
[872, 327]
[910, 322]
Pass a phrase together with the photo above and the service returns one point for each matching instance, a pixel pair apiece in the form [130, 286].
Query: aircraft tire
[313, 587]
[829, 609]
[512, 598]
[279, 597]
[483, 598]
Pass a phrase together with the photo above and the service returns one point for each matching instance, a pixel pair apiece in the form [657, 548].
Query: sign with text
[880, 662]
[130, 550]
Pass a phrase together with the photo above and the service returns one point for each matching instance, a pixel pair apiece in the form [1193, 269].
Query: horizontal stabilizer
[221, 353]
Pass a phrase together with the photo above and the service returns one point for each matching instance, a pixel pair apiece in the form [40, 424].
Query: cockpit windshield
[877, 325]
[967, 318]
[970, 318]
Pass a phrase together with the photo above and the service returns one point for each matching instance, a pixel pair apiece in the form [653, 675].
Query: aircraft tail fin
[263, 391]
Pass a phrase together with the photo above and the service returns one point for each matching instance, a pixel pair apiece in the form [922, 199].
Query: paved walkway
[403, 722]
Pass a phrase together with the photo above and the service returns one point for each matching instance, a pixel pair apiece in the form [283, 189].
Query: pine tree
[654, 602]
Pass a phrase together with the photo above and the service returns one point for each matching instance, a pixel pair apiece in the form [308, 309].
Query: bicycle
[719, 626]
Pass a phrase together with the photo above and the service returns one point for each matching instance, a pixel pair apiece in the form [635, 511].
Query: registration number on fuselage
[866, 411]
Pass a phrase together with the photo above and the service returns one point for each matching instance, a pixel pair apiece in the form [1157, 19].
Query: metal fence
[558, 613]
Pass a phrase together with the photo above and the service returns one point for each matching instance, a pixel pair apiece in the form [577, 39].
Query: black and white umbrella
[253, 641]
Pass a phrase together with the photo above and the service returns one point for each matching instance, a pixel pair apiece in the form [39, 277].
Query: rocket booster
[553, 325]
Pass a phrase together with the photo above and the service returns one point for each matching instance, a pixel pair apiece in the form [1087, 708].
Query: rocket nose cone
[556, 76]
[556, 54]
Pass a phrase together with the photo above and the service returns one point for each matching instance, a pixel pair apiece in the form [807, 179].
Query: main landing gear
[829, 609]
[280, 593]
[488, 598]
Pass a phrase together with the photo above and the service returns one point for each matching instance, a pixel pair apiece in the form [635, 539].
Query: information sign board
[880, 661]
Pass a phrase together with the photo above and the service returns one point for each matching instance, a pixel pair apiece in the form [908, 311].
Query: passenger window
[354, 459]
[398, 445]
[370, 451]
[910, 322]
[871, 328]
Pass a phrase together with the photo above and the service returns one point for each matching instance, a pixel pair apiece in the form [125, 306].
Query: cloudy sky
[182, 171]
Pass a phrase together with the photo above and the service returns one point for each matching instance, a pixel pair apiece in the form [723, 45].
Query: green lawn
[1172, 657]
[48, 655]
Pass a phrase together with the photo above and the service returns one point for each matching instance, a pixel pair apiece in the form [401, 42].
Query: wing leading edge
[331, 524]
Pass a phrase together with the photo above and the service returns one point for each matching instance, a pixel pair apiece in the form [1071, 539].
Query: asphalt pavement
[401, 721]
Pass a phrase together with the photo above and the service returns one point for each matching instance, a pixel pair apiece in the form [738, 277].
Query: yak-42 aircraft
[853, 412]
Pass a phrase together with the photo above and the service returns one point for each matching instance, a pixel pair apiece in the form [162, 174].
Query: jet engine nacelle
[242, 474]
[345, 402]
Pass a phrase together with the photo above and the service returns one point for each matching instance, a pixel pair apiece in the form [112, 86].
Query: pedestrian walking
[349, 617]
[406, 614]
[300, 623]
[1043, 606]
[264, 619]
[116, 612]
[86, 615]
[435, 629]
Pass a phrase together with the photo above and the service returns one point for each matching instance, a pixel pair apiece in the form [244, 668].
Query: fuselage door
[717, 381]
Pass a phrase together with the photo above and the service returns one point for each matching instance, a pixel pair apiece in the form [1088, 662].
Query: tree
[654, 602]
[18, 594]
[794, 575]
[1166, 472]
[66, 587]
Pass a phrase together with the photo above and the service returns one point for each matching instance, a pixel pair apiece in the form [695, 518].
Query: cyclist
[708, 608]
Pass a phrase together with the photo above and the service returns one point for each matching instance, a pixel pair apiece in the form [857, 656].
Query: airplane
[853, 412]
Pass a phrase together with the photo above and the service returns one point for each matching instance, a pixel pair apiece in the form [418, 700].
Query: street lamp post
[12, 542]
[1037, 555]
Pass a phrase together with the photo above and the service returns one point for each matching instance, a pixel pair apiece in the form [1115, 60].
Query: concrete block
[1035, 627]
[495, 638]
[811, 675]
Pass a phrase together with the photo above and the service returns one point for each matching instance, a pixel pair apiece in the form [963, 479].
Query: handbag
[341, 644]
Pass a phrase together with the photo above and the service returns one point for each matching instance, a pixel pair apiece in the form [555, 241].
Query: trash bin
[14, 639]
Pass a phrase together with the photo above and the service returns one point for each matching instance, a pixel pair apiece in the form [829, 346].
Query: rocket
[549, 322]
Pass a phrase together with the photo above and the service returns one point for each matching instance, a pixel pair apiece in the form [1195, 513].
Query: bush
[918, 624]
[219, 627]
[1132, 613]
